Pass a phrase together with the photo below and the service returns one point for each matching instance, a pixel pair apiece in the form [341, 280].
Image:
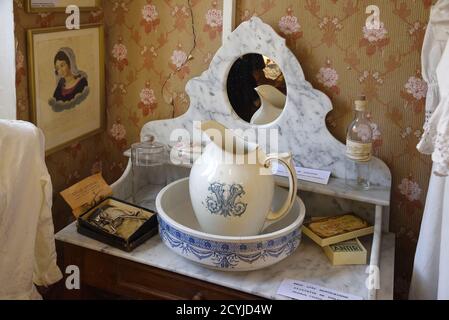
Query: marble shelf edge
[153, 251]
[377, 195]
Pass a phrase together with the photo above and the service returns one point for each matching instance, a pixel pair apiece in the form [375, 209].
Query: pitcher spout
[226, 139]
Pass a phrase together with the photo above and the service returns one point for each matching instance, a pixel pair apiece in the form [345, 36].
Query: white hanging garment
[431, 268]
[27, 244]
[435, 41]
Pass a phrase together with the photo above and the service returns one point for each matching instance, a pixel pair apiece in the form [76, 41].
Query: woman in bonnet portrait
[71, 84]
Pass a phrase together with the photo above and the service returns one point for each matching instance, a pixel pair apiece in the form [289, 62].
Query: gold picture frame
[56, 55]
[59, 5]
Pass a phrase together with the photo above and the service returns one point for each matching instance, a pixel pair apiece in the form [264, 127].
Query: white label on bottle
[358, 151]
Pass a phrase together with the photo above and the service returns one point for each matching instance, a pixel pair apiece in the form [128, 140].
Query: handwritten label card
[86, 193]
[300, 290]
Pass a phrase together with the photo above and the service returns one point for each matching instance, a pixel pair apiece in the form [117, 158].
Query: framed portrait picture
[66, 83]
[35, 6]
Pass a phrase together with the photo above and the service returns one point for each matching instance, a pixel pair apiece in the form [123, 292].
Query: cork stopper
[360, 103]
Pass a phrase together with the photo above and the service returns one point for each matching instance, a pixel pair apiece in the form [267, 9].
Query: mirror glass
[256, 89]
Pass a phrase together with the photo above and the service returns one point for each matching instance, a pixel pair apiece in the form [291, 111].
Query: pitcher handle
[286, 160]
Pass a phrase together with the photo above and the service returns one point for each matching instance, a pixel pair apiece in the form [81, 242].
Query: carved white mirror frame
[301, 126]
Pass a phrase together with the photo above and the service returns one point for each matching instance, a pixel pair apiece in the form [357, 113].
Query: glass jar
[149, 172]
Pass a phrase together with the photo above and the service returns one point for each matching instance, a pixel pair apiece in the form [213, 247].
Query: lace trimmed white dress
[431, 268]
[435, 139]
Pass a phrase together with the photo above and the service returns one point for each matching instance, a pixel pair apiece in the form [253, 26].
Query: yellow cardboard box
[330, 230]
[345, 253]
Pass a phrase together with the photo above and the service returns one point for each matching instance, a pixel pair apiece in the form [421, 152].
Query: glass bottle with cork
[359, 147]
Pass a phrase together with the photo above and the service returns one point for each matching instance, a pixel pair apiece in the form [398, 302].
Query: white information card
[300, 290]
[312, 175]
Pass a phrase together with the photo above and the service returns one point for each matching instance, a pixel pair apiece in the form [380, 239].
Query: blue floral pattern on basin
[227, 255]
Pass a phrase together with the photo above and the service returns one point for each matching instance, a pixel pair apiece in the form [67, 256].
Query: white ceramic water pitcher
[231, 185]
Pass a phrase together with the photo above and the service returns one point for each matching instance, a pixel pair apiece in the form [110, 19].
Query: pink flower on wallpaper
[178, 63]
[374, 39]
[118, 131]
[410, 189]
[178, 58]
[328, 77]
[414, 92]
[120, 54]
[289, 25]
[150, 17]
[290, 28]
[147, 96]
[148, 101]
[214, 22]
[374, 35]
[149, 13]
[417, 87]
[119, 51]
[214, 18]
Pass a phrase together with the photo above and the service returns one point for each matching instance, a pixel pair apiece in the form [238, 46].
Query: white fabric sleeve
[46, 271]
[432, 51]
[430, 57]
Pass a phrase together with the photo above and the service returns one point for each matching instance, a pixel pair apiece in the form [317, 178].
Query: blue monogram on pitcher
[223, 199]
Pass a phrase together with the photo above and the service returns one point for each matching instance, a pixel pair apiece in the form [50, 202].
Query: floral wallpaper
[153, 47]
[82, 158]
[150, 55]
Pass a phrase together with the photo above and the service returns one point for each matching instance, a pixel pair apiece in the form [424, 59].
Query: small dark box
[148, 229]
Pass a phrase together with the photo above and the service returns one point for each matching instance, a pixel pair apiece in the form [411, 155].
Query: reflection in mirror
[256, 89]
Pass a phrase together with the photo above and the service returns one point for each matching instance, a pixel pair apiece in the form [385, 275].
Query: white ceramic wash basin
[180, 232]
